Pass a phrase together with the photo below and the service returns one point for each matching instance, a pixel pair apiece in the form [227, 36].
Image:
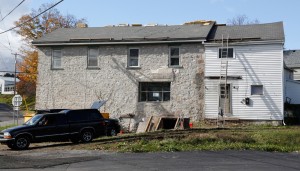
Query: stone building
[197, 70]
[140, 70]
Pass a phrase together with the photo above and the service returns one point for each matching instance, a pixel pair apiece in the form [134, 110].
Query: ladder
[223, 81]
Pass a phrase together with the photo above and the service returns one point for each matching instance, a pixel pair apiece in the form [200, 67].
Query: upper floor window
[226, 53]
[92, 60]
[174, 55]
[56, 59]
[133, 57]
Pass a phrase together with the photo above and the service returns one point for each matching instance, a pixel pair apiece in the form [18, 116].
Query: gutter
[247, 43]
[115, 43]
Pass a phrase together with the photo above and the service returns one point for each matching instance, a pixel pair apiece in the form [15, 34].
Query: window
[77, 116]
[154, 91]
[174, 56]
[56, 59]
[226, 53]
[257, 90]
[93, 57]
[133, 57]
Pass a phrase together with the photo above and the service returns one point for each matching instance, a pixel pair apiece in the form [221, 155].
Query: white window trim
[263, 92]
[174, 66]
[233, 57]
[88, 57]
[129, 57]
[52, 59]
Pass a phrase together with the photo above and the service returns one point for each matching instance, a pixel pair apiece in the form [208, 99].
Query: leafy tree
[34, 29]
[241, 20]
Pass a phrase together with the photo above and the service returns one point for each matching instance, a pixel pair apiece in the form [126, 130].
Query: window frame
[233, 53]
[175, 57]
[147, 91]
[89, 57]
[129, 57]
[54, 58]
[256, 94]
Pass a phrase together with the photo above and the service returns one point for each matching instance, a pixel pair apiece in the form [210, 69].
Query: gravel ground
[42, 155]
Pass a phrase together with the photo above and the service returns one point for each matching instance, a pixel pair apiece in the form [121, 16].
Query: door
[54, 126]
[225, 99]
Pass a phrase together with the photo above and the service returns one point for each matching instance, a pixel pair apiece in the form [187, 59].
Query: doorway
[225, 99]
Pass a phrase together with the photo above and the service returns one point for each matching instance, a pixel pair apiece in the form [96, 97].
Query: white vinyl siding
[257, 65]
[292, 93]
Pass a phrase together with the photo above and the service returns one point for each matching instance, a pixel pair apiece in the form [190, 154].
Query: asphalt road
[6, 113]
[187, 161]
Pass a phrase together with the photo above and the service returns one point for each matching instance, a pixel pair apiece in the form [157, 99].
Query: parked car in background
[76, 125]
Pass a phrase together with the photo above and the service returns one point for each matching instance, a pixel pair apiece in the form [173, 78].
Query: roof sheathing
[126, 34]
[261, 32]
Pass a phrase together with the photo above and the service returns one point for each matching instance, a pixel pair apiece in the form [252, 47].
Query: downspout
[283, 86]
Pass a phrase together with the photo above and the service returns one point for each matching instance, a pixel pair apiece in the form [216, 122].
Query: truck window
[61, 119]
[77, 116]
[95, 115]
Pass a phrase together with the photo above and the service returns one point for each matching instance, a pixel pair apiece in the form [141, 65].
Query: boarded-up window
[154, 91]
[93, 57]
[226, 53]
[257, 90]
[56, 59]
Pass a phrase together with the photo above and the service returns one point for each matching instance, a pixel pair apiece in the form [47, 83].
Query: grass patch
[268, 139]
[6, 98]
[5, 127]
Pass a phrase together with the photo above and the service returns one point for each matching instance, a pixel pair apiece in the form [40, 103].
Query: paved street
[188, 161]
[6, 112]
[6, 116]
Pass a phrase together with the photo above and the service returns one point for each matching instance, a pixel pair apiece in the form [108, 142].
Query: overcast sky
[171, 12]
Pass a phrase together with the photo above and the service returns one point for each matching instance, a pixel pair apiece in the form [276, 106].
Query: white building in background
[7, 85]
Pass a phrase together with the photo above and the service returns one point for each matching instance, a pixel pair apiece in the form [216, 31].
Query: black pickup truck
[75, 125]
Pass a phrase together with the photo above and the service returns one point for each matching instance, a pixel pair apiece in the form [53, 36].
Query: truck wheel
[86, 136]
[21, 143]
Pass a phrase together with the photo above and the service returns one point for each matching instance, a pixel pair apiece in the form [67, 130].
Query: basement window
[257, 90]
[226, 53]
[154, 91]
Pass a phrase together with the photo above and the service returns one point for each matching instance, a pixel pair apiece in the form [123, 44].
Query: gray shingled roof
[270, 31]
[121, 34]
[292, 58]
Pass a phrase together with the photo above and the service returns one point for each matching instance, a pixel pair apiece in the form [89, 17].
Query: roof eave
[68, 43]
[255, 42]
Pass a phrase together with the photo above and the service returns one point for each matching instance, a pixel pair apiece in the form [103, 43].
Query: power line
[12, 10]
[6, 35]
[32, 18]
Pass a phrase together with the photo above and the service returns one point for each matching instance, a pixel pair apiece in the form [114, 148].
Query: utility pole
[15, 87]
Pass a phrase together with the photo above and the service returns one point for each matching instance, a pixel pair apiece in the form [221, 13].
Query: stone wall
[75, 86]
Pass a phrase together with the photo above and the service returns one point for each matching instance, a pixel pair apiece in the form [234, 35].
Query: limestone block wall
[75, 86]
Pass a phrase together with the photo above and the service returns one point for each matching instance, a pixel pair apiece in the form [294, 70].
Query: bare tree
[241, 20]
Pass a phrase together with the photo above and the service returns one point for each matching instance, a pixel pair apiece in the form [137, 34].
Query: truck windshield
[33, 120]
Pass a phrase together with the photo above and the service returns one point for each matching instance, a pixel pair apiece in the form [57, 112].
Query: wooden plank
[157, 126]
[148, 124]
